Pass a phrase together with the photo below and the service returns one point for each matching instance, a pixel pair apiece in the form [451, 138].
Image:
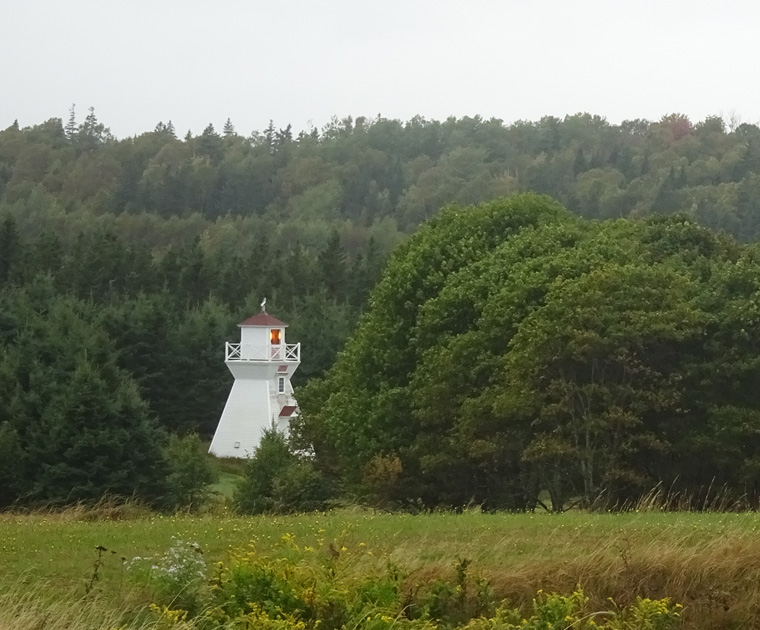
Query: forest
[126, 263]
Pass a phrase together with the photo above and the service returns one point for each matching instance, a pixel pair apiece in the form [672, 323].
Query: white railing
[247, 352]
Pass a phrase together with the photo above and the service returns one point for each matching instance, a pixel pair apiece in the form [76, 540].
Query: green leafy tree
[371, 380]
[510, 349]
[600, 364]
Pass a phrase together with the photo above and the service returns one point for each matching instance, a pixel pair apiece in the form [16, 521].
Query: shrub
[190, 472]
[178, 577]
[276, 480]
[381, 476]
[300, 588]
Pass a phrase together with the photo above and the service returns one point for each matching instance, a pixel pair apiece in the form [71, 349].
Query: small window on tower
[281, 385]
[275, 336]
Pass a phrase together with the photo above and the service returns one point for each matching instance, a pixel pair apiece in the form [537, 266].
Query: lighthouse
[261, 396]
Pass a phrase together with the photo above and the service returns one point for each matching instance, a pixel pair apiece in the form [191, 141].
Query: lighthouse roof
[263, 319]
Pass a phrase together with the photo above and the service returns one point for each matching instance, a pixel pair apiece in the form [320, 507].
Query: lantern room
[262, 338]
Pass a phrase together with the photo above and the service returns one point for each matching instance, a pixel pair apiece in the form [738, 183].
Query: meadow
[707, 562]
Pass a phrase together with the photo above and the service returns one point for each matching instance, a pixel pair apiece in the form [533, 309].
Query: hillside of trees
[126, 263]
[368, 178]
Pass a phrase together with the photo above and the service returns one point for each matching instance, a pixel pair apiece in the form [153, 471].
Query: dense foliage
[277, 480]
[125, 265]
[303, 588]
[368, 178]
[102, 346]
[513, 349]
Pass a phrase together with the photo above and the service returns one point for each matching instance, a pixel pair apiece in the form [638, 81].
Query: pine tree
[284, 136]
[10, 248]
[92, 133]
[269, 136]
[332, 265]
[190, 472]
[210, 144]
[229, 128]
[80, 428]
[96, 438]
[71, 126]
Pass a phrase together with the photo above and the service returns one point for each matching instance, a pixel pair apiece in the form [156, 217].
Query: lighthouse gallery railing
[247, 352]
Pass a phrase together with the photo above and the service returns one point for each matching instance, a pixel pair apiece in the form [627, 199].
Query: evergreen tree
[94, 438]
[190, 472]
[92, 133]
[332, 267]
[209, 144]
[71, 125]
[276, 480]
[10, 249]
[77, 419]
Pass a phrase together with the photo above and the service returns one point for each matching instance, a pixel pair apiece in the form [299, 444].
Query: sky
[138, 62]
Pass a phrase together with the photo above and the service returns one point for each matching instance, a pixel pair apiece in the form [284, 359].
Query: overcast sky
[301, 62]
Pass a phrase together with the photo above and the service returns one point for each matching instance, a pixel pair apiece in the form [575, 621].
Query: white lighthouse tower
[261, 396]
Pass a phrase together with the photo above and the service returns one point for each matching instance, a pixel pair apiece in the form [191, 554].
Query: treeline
[105, 350]
[368, 178]
[514, 354]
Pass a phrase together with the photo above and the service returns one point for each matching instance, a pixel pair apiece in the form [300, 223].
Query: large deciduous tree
[512, 349]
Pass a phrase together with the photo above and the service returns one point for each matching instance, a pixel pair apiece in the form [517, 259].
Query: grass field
[708, 562]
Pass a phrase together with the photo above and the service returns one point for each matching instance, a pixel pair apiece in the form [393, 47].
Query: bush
[190, 472]
[302, 588]
[276, 480]
[178, 577]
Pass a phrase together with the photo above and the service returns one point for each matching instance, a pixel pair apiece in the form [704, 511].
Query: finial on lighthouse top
[264, 305]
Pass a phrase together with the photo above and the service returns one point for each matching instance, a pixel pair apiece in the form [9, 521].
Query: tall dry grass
[31, 607]
[716, 580]
[107, 508]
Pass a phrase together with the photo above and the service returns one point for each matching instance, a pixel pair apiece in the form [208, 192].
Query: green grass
[709, 562]
[225, 485]
[229, 472]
